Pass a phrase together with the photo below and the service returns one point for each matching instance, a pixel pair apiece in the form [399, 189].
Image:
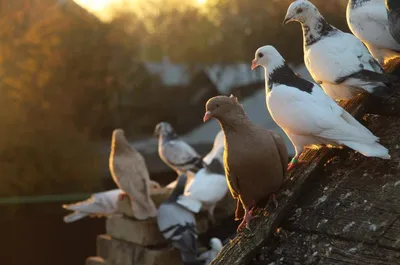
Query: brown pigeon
[129, 172]
[255, 159]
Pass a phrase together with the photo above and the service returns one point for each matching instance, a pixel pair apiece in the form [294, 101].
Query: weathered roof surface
[340, 207]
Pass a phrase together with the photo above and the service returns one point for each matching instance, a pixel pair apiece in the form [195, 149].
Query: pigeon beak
[254, 64]
[207, 116]
[286, 20]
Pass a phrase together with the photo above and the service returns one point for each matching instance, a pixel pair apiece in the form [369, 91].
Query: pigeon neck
[121, 146]
[169, 136]
[273, 65]
[314, 29]
[284, 75]
[231, 123]
[178, 190]
[357, 3]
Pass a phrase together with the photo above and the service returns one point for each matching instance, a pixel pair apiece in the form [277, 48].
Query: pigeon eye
[299, 10]
[260, 55]
[217, 105]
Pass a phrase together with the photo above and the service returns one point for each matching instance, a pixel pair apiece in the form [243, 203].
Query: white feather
[205, 191]
[314, 118]
[101, 203]
[369, 22]
[218, 149]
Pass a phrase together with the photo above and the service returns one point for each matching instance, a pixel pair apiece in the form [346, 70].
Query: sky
[104, 8]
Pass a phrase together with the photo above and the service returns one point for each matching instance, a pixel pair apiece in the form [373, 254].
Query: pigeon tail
[75, 216]
[382, 91]
[143, 210]
[370, 150]
[189, 203]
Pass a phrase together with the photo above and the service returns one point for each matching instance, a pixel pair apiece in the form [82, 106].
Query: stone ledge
[125, 253]
[102, 246]
[95, 261]
[143, 233]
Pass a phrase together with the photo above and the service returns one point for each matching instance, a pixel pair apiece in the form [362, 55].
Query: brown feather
[253, 156]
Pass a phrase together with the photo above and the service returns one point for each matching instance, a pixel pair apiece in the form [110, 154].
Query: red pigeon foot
[248, 217]
[293, 163]
[122, 195]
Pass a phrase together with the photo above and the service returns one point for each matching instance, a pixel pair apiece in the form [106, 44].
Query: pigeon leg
[293, 163]
[211, 214]
[248, 216]
[122, 195]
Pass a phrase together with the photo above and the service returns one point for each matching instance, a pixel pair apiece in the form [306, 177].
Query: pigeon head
[119, 142]
[215, 244]
[164, 129]
[267, 57]
[222, 107]
[301, 11]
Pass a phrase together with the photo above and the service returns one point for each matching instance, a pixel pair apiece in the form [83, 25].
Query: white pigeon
[174, 152]
[368, 20]
[308, 116]
[99, 204]
[217, 150]
[215, 165]
[336, 60]
[204, 192]
[178, 225]
[209, 255]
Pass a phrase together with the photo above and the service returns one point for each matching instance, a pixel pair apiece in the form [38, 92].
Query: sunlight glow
[101, 8]
[201, 2]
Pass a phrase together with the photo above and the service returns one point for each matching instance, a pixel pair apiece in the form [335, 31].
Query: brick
[143, 233]
[103, 245]
[95, 261]
[158, 196]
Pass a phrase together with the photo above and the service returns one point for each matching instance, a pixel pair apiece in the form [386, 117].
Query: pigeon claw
[293, 163]
[122, 195]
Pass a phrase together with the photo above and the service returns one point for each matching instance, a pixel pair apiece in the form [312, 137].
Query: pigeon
[216, 165]
[393, 13]
[178, 225]
[129, 172]
[307, 115]
[368, 20]
[336, 60]
[99, 204]
[255, 159]
[205, 191]
[174, 152]
[209, 255]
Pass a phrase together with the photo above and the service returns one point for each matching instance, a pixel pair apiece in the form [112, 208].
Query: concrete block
[102, 246]
[125, 253]
[143, 233]
[122, 253]
[158, 196]
[168, 256]
[95, 261]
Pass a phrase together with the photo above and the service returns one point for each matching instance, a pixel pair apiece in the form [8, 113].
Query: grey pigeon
[176, 153]
[393, 11]
[368, 20]
[178, 225]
